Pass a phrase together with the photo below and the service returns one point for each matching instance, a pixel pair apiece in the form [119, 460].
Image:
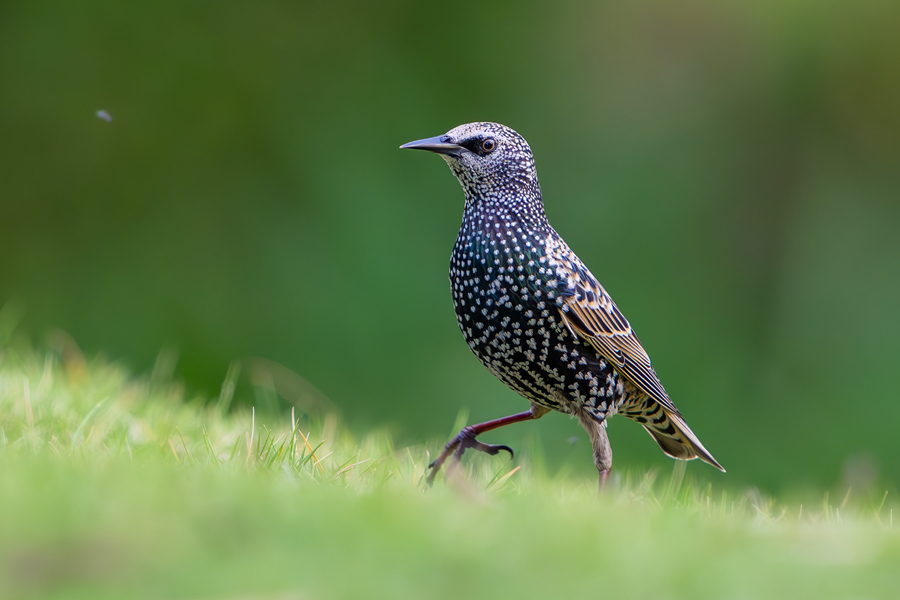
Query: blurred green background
[730, 171]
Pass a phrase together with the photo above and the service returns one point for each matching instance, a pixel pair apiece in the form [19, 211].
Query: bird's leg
[604, 477]
[600, 444]
[602, 455]
[466, 439]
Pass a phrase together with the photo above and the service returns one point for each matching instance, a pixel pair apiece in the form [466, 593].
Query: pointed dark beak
[440, 145]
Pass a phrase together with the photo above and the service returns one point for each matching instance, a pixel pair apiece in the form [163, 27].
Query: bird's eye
[488, 145]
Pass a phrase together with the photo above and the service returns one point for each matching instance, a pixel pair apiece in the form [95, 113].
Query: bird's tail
[672, 433]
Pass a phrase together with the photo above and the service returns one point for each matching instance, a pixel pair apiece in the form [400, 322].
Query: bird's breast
[506, 290]
[503, 288]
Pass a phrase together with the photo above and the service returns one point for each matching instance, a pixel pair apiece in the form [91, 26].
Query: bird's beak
[439, 145]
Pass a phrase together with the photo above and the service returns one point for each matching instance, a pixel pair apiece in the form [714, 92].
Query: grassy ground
[113, 486]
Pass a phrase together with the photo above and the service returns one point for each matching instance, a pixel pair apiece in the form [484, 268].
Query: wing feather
[596, 318]
[589, 313]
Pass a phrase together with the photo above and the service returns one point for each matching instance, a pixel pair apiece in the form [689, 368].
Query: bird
[534, 315]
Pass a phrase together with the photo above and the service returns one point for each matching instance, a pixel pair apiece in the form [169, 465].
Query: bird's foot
[464, 439]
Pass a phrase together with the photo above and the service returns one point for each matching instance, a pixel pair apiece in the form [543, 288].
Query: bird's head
[489, 160]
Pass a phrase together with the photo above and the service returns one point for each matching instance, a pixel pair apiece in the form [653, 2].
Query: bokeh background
[729, 170]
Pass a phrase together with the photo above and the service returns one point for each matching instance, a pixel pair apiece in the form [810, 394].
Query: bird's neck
[519, 205]
[507, 216]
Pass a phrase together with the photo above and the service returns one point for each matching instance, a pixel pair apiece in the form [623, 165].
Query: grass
[114, 486]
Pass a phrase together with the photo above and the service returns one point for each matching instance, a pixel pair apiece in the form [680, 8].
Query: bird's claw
[464, 440]
[491, 449]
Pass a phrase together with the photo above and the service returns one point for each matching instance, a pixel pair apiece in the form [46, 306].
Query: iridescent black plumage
[532, 312]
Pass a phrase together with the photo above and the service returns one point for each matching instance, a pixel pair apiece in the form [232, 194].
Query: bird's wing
[607, 330]
[591, 314]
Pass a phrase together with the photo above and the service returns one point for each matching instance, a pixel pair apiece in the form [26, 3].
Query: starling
[534, 315]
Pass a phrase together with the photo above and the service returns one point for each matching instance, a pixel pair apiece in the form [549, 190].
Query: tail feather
[672, 434]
